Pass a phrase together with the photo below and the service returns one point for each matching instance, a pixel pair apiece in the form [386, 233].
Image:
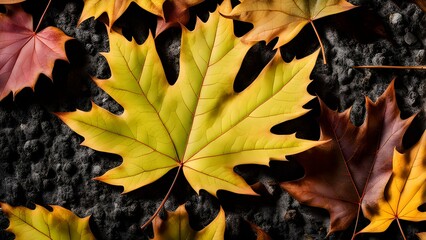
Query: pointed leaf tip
[176, 226]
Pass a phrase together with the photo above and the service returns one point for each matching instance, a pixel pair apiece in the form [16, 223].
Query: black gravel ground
[42, 162]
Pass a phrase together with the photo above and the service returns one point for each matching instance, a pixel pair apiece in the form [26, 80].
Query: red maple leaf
[24, 53]
[352, 169]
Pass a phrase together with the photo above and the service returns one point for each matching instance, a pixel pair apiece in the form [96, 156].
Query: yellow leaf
[41, 224]
[421, 236]
[10, 1]
[282, 18]
[199, 125]
[115, 8]
[405, 191]
[176, 226]
[170, 10]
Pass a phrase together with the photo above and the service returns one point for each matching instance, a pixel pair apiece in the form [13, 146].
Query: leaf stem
[164, 200]
[356, 222]
[392, 67]
[400, 229]
[42, 16]
[320, 42]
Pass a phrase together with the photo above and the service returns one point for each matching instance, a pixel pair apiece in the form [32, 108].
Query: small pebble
[420, 56]
[409, 38]
[395, 18]
[96, 170]
[290, 215]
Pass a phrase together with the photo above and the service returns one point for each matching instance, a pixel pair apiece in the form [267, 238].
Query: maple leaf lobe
[176, 226]
[43, 224]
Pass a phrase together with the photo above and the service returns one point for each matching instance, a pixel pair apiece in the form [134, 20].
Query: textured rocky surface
[41, 160]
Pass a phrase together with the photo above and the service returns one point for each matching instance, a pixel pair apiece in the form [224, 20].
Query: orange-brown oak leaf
[355, 165]
[282, 18]
[25, 54]
[405, 191]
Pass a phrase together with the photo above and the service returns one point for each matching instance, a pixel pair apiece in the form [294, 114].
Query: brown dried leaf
[355, 165]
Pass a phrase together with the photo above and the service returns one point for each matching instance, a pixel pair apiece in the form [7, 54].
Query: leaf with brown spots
[405, 191]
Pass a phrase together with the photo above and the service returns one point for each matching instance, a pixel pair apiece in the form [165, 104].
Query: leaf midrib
[198, 96]
[403, 188]
[28, 224]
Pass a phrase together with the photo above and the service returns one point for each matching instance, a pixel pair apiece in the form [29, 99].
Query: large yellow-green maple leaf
[199, 125]
[42, 224]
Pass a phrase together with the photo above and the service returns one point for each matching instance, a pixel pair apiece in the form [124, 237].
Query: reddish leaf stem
[392, 67]
[400, 229]
[356, 222]
[320, 42]
[164, 200]
[42, 16]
